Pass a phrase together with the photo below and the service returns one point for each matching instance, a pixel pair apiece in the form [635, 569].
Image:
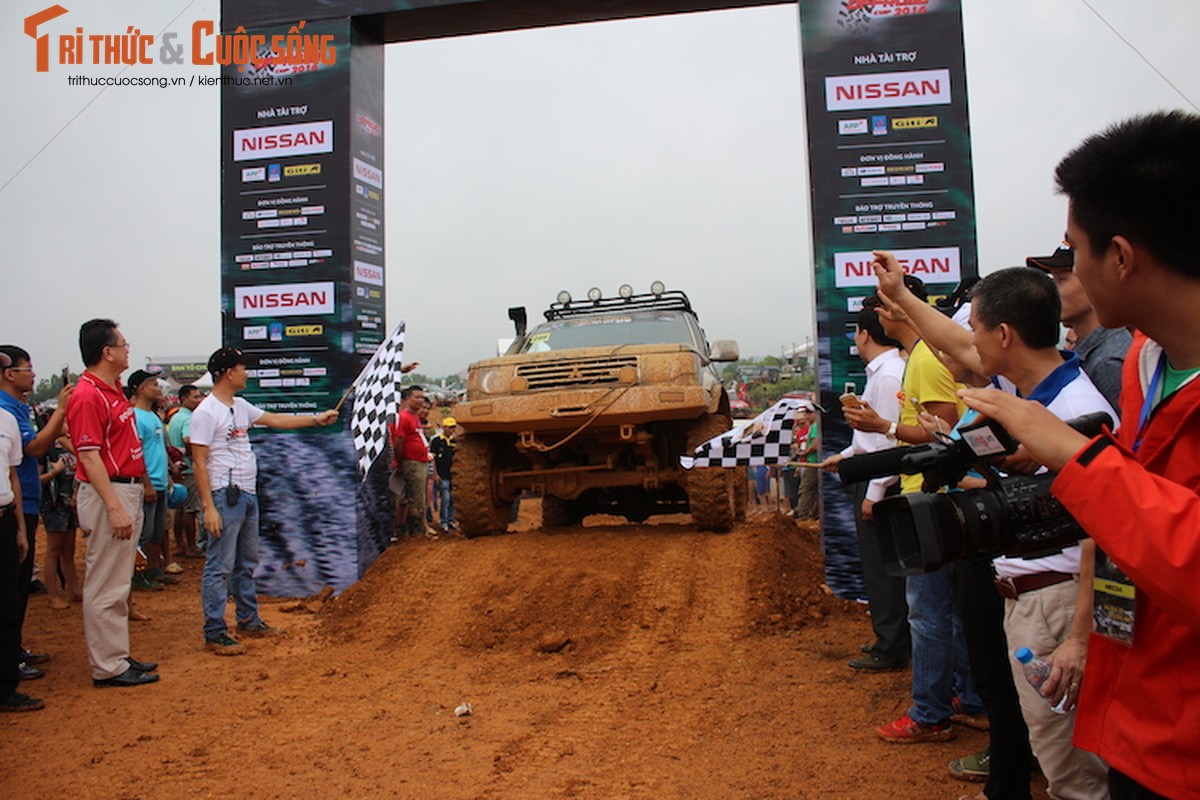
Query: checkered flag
[374, 398]
[766, 439]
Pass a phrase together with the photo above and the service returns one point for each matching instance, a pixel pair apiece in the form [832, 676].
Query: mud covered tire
[711, 493]
[477, 509]
[559, 513]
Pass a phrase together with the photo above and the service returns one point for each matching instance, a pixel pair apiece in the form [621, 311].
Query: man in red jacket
[1133, 205]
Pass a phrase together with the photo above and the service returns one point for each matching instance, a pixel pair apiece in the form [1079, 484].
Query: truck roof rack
[667, 301]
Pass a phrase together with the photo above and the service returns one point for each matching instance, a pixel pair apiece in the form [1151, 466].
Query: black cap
[138, 377]
[916, 286]
[224, 359]
[1063, 258]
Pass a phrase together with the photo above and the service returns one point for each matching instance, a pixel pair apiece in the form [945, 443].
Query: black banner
[890, 169]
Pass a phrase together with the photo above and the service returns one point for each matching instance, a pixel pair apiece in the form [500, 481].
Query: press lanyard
[1149, 403]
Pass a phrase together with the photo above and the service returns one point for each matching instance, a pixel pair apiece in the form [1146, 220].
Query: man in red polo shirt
[109, 505]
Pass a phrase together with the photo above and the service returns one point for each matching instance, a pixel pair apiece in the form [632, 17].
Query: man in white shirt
[227, 479]
[885, 593]
[1048, 605]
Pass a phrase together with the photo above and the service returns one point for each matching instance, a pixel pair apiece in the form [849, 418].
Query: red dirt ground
[605, 661]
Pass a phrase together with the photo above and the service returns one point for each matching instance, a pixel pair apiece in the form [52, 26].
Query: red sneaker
[907, 730]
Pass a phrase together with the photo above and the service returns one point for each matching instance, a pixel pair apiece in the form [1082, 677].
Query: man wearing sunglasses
[17, 381]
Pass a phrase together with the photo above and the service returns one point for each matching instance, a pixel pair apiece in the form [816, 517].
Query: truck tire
[477, 508]
[559, 513]
[710, 490]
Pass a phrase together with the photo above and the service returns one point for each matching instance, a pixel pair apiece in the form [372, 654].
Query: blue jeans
[229, 564]
[939, 652]
[446, 502]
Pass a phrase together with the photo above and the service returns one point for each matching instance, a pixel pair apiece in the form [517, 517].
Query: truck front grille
[574, 372]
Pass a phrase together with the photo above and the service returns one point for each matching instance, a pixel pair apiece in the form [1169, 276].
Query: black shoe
[141, 666]
[873, 663]
[130, 677]
[21, 702]
[34, 658]
[37, 587]
[28, 673]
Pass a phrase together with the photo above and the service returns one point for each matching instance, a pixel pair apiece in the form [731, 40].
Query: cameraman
[1014, 317]
[1133, 200]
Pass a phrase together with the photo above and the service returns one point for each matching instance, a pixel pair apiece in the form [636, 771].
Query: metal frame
[667, 301]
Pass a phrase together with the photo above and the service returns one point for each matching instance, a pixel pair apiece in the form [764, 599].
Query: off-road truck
[592, 409]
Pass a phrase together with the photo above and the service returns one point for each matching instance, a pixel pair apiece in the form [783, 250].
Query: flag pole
[345, 395]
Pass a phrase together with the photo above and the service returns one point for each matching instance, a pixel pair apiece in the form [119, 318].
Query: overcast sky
[522, 163]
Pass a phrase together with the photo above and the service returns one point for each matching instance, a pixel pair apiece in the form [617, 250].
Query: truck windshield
[638, 327]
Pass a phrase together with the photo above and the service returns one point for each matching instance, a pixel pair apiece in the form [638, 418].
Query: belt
[1012, 588]
[10, 507]
[125, 479]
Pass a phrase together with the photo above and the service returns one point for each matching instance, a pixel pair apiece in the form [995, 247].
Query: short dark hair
[407, 390]
[867, 320]
[1026, 299]
[94, 336]
[186, 391]
[1138, 179]
[17, 354]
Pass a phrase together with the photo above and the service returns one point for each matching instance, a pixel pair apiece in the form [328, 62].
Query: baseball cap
[224, 359]
[1063, 258]
[139, 377]
[449, 422]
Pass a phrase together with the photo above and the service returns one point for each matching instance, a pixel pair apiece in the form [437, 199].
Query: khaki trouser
[1041, 620]
[109, 572]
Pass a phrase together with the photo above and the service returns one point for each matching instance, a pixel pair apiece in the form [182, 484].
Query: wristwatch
[891, 431]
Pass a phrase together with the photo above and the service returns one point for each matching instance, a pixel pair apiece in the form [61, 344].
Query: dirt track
[607, 661]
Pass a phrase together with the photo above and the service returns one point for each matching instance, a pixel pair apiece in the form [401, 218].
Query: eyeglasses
[124, 344]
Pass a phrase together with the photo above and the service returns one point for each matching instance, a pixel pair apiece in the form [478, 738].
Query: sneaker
[968, 719]
[21, 702]
[907, 730]
[257, 628]
[174, 568]
[975, 767]
[28, 673]
[224, 645]
[33, 658]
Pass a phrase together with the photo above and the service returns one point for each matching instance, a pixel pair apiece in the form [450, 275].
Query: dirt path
[606, 661]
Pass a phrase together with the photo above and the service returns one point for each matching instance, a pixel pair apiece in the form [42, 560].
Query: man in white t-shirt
[226, 477]
[1047, 600]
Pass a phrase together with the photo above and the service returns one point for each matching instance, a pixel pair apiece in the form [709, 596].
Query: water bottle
[1037, 671]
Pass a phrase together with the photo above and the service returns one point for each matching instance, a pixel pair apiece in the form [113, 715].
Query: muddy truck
[592, 409]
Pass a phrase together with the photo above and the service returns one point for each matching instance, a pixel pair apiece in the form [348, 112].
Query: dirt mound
[581, 589]
[606, 660]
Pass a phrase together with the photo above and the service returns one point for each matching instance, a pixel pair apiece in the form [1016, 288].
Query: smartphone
[849, 396]
[66, 376]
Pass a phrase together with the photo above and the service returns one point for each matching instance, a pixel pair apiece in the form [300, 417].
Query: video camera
[1013, 515]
